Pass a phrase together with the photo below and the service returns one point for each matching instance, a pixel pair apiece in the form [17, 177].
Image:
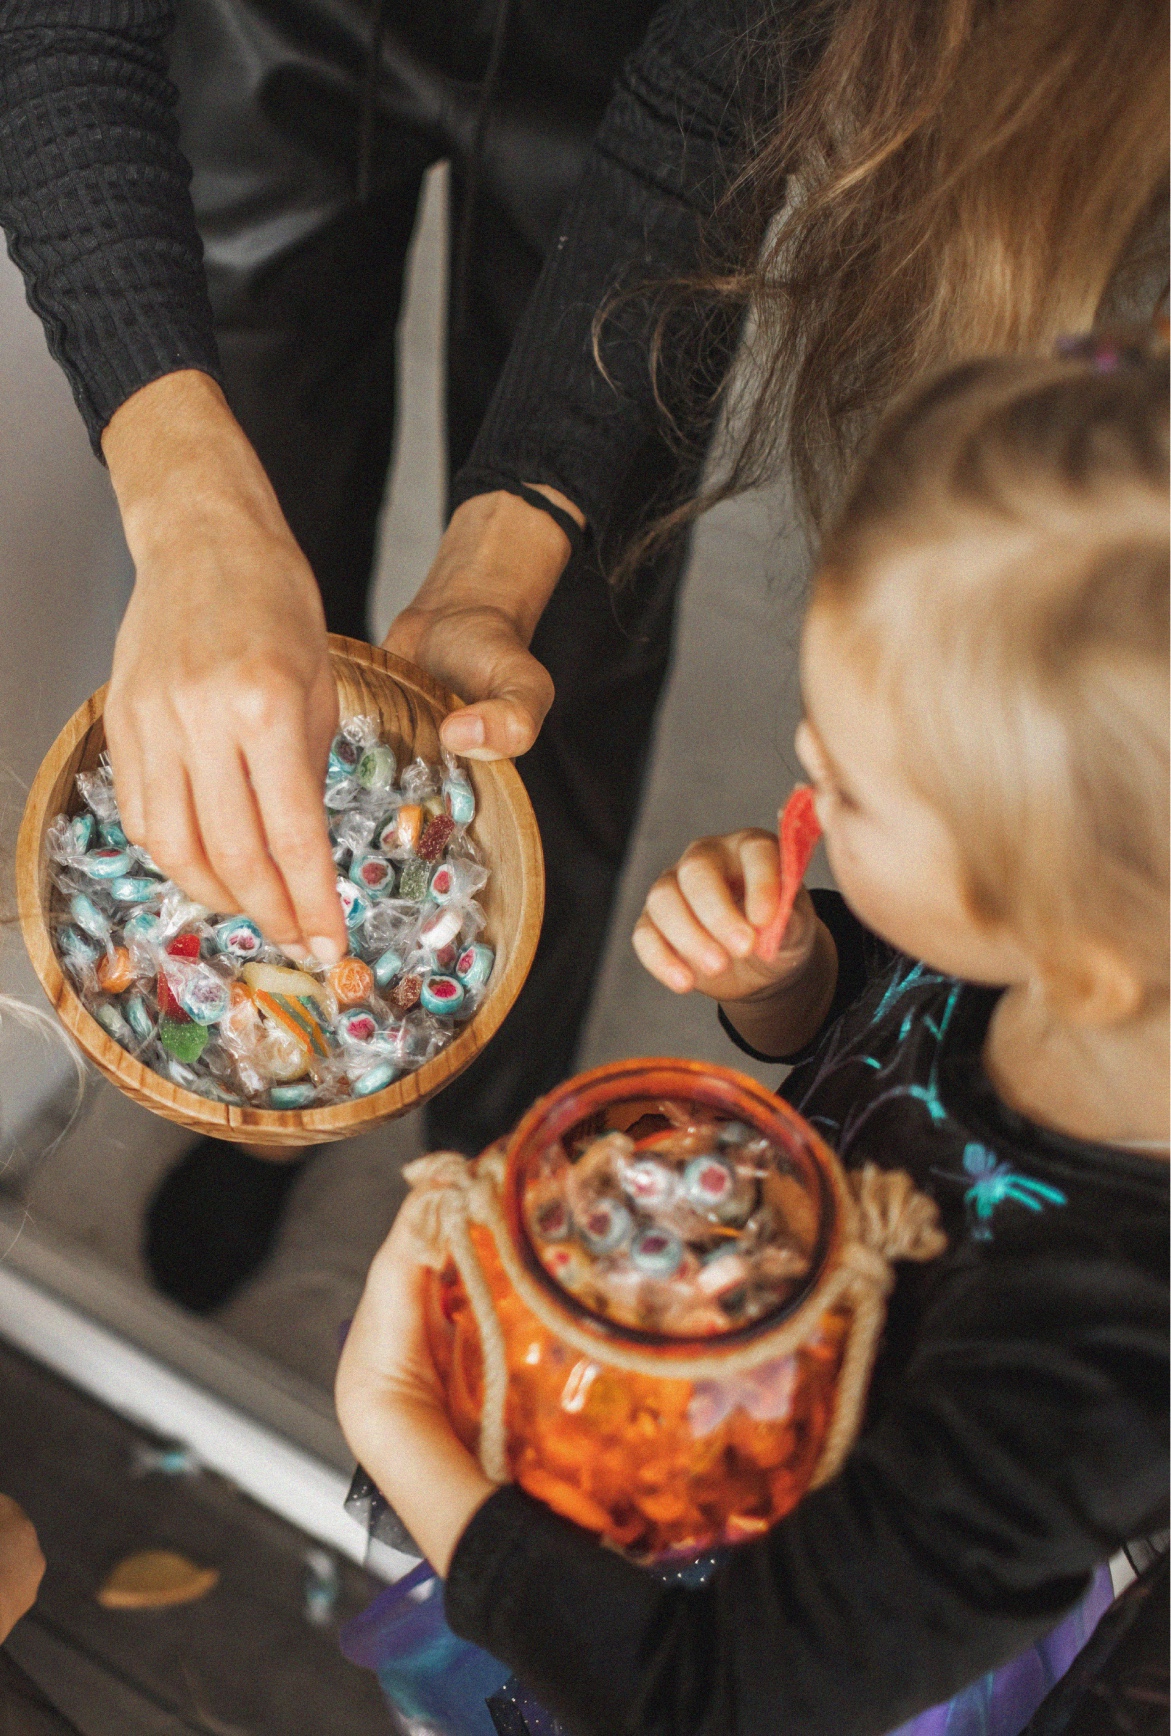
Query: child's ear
[1094, 983]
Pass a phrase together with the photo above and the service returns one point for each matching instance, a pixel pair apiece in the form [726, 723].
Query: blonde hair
[922, 181]
[1002, 565]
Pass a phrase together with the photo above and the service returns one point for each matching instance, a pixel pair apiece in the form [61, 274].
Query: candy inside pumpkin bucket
[655, 1307]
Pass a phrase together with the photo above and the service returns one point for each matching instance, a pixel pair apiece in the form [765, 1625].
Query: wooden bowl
[411, 707]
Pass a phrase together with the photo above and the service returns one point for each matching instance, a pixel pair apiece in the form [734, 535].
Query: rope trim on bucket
[884, 1218]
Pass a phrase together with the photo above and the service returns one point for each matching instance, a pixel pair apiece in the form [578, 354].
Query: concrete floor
[722, 757]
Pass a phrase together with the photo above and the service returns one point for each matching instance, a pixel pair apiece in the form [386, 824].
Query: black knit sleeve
[1028, 1441]
[94, 196]
[655, 174]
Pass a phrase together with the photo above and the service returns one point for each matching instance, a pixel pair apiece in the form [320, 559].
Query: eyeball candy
[474, 965]
[373, 873]
[239, 937]
[441, 994]
[344, 756]
[357, 1026]
[689, 1230]
[211, 1005]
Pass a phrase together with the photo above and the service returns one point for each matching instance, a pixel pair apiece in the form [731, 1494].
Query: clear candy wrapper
[689, 1227]
[208, 1003]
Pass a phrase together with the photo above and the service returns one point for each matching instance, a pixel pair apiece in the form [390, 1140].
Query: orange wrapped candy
[352, 982]
[115, 971]
[710, 1425]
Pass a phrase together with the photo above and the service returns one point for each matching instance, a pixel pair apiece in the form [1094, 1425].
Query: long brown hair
[947, 178]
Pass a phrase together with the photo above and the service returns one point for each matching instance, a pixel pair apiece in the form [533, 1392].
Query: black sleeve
[964, 1525]
[659, 165]
[94, 196]
[858, 955]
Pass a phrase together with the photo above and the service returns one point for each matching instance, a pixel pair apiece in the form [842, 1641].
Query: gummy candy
[209, 1003]
[799, 829]
[436, 837]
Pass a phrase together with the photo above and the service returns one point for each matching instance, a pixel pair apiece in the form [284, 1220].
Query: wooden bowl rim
[243, 1122]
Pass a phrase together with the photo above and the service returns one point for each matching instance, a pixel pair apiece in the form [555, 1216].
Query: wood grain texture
[411, 707]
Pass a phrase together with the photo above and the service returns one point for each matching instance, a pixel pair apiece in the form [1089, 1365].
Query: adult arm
[640, 217]
[221, 704]
[94, 196]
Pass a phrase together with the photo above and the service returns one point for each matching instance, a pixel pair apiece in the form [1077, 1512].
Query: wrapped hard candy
[88, 917]
[239, 937]
[350, 981]
[377, 767]
[441, 994]
[373, 873]
[459, 799]
[669, 1392]
[210, 1004]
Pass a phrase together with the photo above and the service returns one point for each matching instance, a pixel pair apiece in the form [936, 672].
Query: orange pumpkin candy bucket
[565, 1371]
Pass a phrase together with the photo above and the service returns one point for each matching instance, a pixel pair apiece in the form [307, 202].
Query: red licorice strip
[799, 832]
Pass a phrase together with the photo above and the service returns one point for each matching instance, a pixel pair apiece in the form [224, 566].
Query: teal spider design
[996, 1181]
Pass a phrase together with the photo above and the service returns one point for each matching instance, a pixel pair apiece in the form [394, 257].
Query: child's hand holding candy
[701, 929]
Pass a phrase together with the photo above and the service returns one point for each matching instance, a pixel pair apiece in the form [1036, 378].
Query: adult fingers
[237, 848]
[704, 879]
[661, 960]
[494, 729]
[760, 866]
[288, 794]
[173, 837]
[126, 761]
[672, 915]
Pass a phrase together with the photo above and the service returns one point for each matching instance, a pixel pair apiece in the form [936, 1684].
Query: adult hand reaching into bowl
[474, 616]
[221, 705]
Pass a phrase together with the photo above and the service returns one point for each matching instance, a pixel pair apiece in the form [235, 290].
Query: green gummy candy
[186, 1042]
[415, 879]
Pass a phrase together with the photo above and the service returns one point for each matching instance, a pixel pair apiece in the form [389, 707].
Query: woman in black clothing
[986, 684]
[217, 744]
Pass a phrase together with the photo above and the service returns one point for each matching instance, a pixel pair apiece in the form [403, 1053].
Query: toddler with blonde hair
[984, 1004]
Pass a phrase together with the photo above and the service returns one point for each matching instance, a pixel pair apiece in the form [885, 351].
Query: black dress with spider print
[1015, 1437]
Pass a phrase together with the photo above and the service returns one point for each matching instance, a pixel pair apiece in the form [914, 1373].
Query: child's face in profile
[892, 856]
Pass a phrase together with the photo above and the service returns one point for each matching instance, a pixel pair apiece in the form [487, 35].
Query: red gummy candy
[799, 830]
[436, 835]
[183, 946]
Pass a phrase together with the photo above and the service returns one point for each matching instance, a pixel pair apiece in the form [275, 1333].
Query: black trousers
[306, 284]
